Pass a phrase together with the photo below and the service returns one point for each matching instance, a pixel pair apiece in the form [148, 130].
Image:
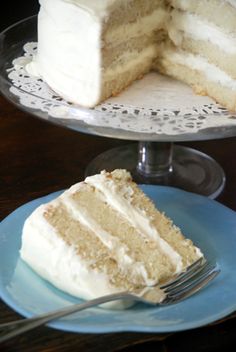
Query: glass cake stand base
[164, 164]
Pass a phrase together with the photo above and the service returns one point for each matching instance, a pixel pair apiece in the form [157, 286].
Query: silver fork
[194, 278]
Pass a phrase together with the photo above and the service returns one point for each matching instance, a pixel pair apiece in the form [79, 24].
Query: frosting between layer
[196, 62]
[144, 26]
[189, 25]
[128, 61]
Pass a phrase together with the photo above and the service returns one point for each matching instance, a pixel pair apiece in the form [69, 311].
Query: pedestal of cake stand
[164, 164]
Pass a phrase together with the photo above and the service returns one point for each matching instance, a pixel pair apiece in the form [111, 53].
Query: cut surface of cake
[104, 235]
[202, 48]
[89, 50]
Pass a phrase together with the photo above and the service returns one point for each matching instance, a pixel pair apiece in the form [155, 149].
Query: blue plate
[209, 224]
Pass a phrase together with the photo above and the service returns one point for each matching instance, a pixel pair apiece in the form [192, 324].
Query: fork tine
[189, 282]
[193, 286]
[188, 277]
[190, 270]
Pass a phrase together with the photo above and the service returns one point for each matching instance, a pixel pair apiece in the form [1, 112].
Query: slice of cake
[104, 235]
[90, 50]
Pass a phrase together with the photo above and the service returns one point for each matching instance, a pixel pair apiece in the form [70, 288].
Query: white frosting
[189, 25]
[60, 264]
[98, 8]
[134, 215]
[72, 70]
[196, 62]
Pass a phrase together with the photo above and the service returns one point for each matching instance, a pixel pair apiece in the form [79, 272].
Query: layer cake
[89, 50]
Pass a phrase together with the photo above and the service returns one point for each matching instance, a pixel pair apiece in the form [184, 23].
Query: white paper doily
[156, 104]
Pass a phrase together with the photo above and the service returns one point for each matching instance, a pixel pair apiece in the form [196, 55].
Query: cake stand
[155, 112]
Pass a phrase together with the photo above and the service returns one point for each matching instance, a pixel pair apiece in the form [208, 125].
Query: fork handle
[12, 329]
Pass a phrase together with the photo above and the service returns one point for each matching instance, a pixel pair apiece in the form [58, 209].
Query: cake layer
[137, 28]
[205, 78]
[128, 61]
[224, 61]
[117, 84]
[121, 12]
[112, 56]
